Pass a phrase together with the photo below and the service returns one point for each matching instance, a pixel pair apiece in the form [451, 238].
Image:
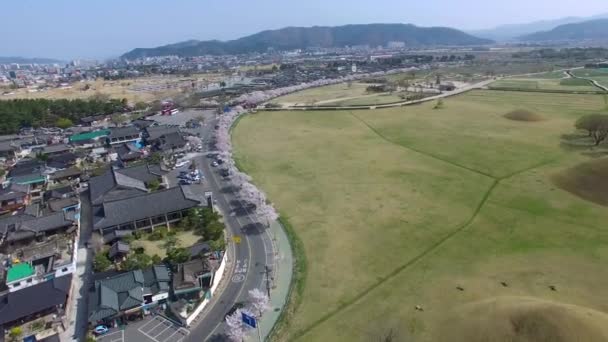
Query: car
[214, 164]
[211, 155]
[100, 330]
[236, 306]
[182, 163]
[184, 182]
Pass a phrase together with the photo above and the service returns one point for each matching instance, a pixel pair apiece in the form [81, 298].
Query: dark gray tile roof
[71, 172]
[33, 299]
[125, 291]
[116, 235]
[60, 204]
[24, 226]
[56, 148]
[145, 172]
[199, 249]
[119, 247]
[188, 273]
[126, 152]
[154, 132]
[143, 206]
[111, 181]
[169, 142]
[120, 132]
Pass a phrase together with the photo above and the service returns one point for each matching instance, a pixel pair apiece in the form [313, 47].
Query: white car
[214, 164]
[182, 163]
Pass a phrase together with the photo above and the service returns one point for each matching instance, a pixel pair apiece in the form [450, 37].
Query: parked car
[100, 330]
[214, 164]
[184, 182]
[235, 307]
[182, 163]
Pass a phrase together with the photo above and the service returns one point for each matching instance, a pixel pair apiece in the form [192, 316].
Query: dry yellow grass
[117, 89]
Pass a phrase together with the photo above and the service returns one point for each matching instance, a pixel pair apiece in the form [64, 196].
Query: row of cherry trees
[247, 191]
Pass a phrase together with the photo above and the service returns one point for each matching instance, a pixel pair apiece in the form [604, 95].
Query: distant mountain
[23, 60]
[592, 29]
[303, 37]
[512, 31]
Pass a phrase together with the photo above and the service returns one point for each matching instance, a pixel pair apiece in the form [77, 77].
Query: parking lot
[152, 329]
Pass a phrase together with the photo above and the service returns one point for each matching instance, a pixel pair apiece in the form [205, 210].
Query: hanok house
[119, 251]
[13, 198]
[121, 200]
[194, 278]
[36, 249]
[128, 295]
[127, 153]
[47, 299]
[120, 135]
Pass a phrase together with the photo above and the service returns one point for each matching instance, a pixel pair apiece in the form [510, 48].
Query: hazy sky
[107, 28]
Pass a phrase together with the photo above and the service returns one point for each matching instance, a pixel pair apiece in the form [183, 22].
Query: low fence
[219, 274]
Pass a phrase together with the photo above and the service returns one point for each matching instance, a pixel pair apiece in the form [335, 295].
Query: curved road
[247, 260]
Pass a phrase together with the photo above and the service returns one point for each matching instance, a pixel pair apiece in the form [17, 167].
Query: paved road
[77, 322]
[249, 257]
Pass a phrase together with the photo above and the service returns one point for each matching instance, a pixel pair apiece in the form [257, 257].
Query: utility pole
[267, 271]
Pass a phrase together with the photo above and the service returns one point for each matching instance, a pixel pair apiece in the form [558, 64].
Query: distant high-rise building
[354, 67]
[396, 45]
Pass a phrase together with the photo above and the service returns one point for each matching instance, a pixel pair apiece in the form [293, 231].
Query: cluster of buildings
[44, 174]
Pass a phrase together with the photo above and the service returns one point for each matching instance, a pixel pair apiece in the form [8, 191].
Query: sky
[69, 29]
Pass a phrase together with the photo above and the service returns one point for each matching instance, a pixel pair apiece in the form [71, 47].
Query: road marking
[213, 178]
[170, 326]
[238, 278]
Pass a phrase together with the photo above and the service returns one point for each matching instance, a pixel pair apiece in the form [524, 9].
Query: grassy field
[411, 206]
[369, 100]
[545, 84]
[551, 75]
[331, 92]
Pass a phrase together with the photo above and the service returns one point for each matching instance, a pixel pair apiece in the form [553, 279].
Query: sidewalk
[283, 271]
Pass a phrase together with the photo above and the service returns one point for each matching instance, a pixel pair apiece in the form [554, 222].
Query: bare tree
[596, 126]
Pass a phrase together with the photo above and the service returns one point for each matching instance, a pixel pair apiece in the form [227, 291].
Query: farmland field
[453, 210]
[134, 90]
[320, 94]
[545, 84]
[369, 100]
[600, 75]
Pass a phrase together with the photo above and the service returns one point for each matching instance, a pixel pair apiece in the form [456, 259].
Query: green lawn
[185, 239]
[397, 207]
[369, 100]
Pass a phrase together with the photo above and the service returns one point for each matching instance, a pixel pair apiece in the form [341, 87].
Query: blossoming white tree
[260, 302]
[235, 329]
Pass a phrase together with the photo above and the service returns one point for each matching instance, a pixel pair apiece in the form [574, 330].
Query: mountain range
[513, 31]
[291, 38]
[587, 30]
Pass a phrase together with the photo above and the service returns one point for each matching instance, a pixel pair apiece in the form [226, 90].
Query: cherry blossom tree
[235, 329]
[259, 301]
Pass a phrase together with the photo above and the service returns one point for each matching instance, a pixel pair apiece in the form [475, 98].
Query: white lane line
[168, 338]
[213, 178]
[169, 326]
